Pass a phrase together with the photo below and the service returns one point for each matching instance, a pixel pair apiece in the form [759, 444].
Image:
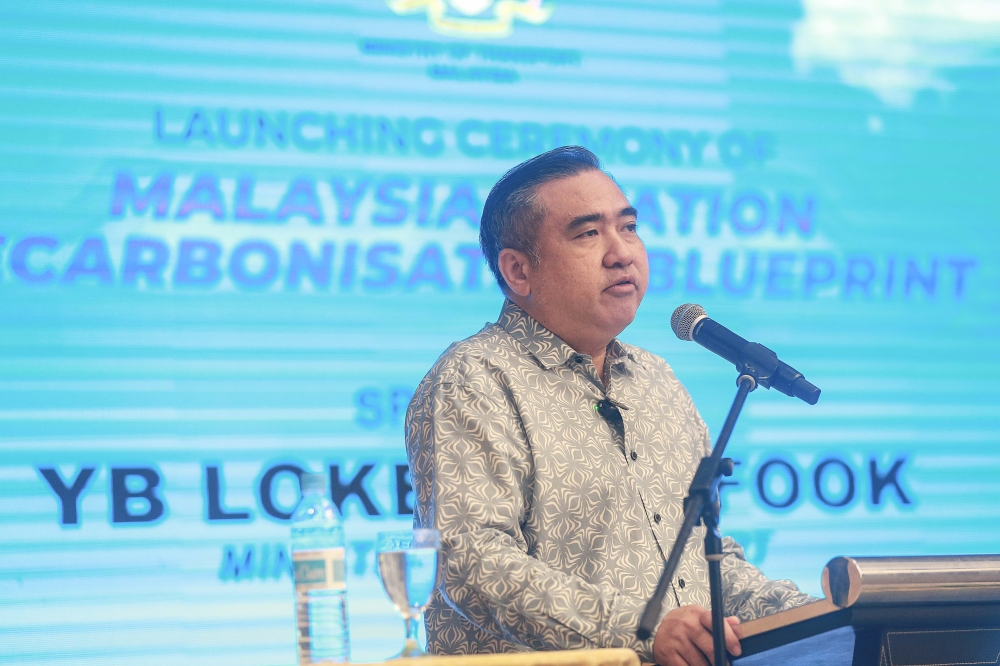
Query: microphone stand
[702, 506]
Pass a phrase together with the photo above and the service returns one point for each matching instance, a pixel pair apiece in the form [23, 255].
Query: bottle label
[319, 570]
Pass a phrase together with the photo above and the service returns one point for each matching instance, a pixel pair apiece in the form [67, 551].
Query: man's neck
[599, 364]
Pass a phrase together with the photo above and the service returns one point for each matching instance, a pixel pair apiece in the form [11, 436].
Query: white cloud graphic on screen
[896, 48]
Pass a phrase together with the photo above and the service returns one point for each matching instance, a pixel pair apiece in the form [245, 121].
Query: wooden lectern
[599, 657]
[888, 611]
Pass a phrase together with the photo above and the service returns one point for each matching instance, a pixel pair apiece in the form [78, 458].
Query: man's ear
[516, 270]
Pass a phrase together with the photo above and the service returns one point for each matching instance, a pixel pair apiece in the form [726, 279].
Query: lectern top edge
[894, 581]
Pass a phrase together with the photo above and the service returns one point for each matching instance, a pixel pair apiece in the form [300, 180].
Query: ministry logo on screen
[476, 18]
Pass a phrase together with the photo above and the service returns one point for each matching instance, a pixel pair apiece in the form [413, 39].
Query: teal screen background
[236, 235]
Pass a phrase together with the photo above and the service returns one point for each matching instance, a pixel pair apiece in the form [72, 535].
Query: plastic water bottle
[320, 581]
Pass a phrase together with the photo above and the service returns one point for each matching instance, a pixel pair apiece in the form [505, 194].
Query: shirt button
[578, 358]
[656, 518]
[680, 582]
[634, 455]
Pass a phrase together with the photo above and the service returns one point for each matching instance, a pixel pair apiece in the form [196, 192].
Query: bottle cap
[313, 482]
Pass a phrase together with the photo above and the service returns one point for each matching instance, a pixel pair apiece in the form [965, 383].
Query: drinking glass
[408, 566]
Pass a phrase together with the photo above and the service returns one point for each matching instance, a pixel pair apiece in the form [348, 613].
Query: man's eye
[589, 233]
[631, 227]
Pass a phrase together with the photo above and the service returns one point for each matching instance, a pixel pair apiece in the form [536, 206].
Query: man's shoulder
[647, 359]
[470, 362]
[652, 373]
[655, 378]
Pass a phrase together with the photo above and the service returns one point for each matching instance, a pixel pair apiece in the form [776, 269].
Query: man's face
[592, 270]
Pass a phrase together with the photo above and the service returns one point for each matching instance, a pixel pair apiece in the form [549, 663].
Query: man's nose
[618, 252]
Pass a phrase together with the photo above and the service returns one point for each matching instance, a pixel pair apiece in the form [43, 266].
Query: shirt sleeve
[472, 475]
[749, 593]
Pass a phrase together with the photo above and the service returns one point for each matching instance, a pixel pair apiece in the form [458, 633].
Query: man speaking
[553, 458]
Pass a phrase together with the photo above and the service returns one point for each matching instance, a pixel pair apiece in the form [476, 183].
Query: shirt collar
[543, 344]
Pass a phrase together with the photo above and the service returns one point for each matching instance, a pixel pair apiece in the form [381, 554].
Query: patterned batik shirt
[554, 520]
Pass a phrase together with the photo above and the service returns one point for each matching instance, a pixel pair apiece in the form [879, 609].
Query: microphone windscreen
[684, 318]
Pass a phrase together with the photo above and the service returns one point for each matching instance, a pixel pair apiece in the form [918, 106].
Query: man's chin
[621, 314]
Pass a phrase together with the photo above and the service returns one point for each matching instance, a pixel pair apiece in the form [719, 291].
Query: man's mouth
[625, 283]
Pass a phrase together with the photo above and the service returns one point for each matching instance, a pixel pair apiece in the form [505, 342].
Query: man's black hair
[511, 216]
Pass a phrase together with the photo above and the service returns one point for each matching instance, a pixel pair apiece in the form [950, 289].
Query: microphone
[689, 322]
[608, 410]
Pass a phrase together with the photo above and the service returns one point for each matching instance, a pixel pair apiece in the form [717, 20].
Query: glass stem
[412, 646]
